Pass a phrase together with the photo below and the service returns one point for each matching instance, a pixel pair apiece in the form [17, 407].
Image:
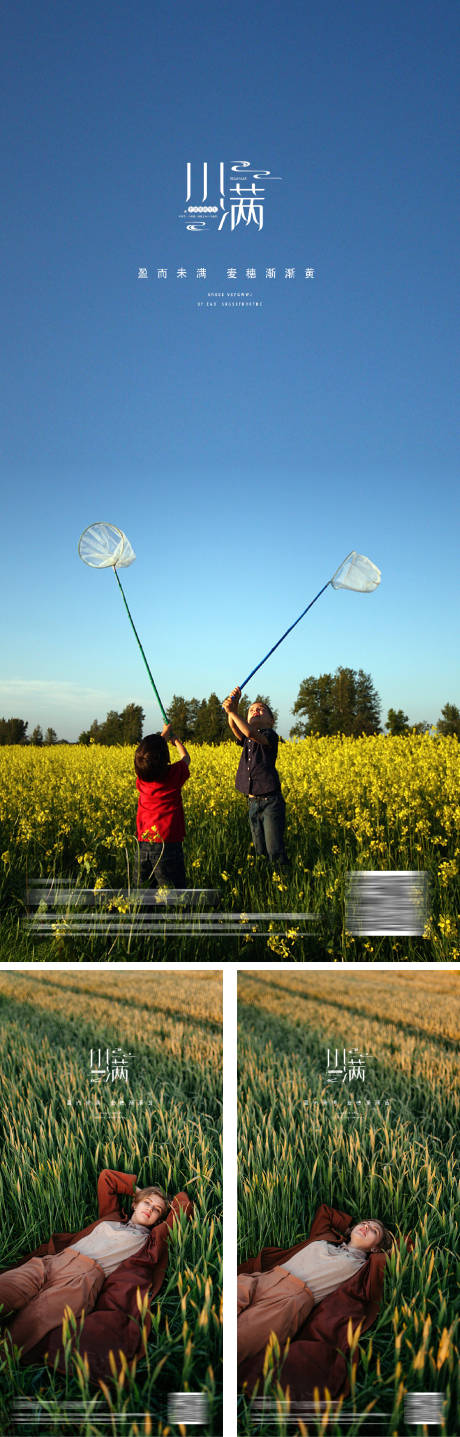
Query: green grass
[53, 1154]
[304, 1141]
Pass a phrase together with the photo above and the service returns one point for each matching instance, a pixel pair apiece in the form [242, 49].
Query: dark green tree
[192, 711]
[178, 717]
[397, 721]
[50, 736]
[367, 706]
[217, 720]
[132, 720]
[345, 702]
[124, 728]
[449, 723]
[315, 700]
[182, 715]
[93, 734]
[37, 737]
[211, 722]
[200, 730]
[111, 731]
[13, 730]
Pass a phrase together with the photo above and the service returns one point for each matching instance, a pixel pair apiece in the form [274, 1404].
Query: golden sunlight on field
[376, 802]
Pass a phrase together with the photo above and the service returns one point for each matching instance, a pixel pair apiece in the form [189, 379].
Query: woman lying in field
[99, 1271]
[308, 1293]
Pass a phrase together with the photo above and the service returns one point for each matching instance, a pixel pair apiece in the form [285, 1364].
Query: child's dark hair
[151, 758]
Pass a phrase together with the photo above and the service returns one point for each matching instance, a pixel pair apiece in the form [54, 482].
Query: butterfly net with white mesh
[104, 546]
[356, 572]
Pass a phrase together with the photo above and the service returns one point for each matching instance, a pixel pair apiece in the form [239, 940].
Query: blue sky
[244, 450]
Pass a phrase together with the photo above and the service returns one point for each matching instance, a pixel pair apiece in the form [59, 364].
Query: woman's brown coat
[319, 1351]
[110, 1325]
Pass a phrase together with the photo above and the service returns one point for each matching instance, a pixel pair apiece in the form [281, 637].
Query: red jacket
[109, 1326]
[313, 1359]
[160, 815]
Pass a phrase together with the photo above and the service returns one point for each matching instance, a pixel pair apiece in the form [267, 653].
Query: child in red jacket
[160, 815]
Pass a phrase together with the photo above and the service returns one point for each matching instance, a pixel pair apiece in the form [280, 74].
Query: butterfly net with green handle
[104, 546]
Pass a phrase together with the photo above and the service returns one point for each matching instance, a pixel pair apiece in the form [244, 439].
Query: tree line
[344, 702]
[14, 730]
[204, 720]
[347, 702]
[124, 728]
[197, 720]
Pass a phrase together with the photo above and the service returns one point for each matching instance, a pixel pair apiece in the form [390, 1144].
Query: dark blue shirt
[256, 773]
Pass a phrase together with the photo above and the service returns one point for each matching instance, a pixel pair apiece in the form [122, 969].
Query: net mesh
[357, 572]
[103, 546]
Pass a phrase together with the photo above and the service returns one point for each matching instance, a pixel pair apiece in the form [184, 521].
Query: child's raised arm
[230, 705]
[238, 725]
[180, 749]
[166, 733]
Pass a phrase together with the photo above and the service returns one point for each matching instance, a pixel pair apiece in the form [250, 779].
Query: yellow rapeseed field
[374, 802]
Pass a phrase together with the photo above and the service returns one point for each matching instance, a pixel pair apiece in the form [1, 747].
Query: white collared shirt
[111, 1242]
[323, 1266]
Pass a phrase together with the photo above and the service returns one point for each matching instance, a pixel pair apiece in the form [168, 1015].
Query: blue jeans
[162, 865]
[267, 818]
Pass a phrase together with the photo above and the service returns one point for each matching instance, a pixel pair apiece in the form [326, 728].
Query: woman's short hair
[151, 758]
[153, 1192]
[387, 1241]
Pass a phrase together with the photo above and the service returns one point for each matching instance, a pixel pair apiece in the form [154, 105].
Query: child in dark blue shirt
[257, 776]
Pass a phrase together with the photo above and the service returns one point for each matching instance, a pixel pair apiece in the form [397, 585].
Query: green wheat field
[305, 1140]
[53, 1151]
